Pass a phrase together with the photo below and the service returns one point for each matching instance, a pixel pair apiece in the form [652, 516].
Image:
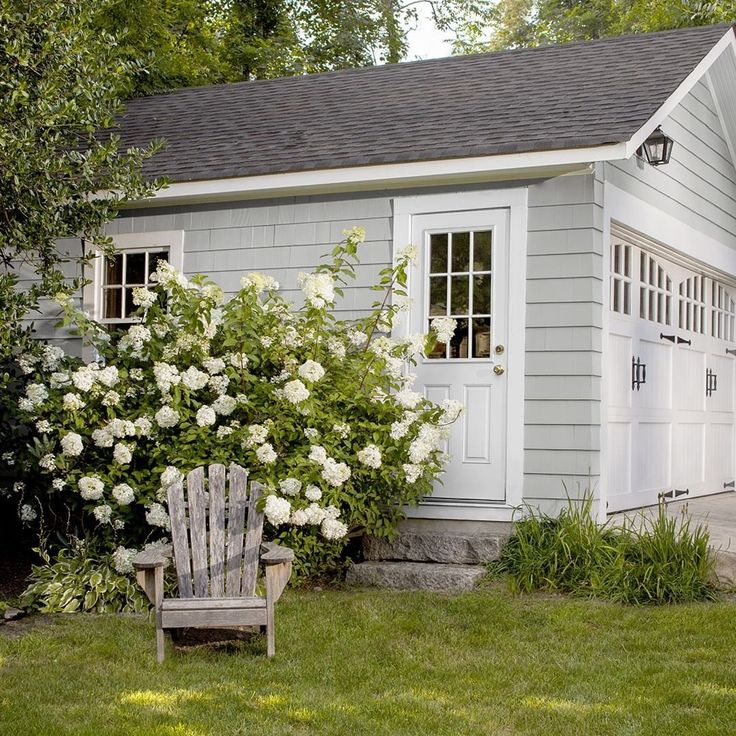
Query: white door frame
[515, 201]
[631, 212]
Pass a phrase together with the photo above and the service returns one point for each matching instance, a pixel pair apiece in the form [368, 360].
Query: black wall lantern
[657, 149]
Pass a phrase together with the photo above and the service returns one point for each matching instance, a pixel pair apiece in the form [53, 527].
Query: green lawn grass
[383, 662]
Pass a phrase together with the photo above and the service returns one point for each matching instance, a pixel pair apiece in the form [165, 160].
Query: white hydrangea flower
[156, 516]
[311, 371]
[26, 363]
[71, 444]
[27, 513]
[36, 393]
[194, 379]
[409, 252]
[121, 428]
[336, 348]
[83, 379]
[123, 494]
[111, 398]
[341, 430]
[444, 328]
[9, 458]
[136, 374]
[401, 427]
[412, 472]
[44, 426]
[206, 416]
[290, 486]
[295, 392]
[122, 454]
[213, 366]
[166, 275]
[357, 338]
[335, 473]
[60, 379]
[167, 417]
[313, 493]
[311, 433]
[58, 484]
[451, 410]
[143, 426]
[166, 376]
[223, 431]
[428, 439]
[260, 282]
[219, 384]
[109, 376]
[170, 476]
[19, 486]
[415, 344]
[257, 434]
[318, 288]
[90, 487]
[224, 405]
[370, 456]
[318, 454]
[135, 340]
[266, 341]
[122, 560]
[408, 399]
[48, 462]
[277, 510]
[25, 404]
[266, 454]
[102, 513]
[102, 437]
[333, 529]
[237, 360]
[143, 297]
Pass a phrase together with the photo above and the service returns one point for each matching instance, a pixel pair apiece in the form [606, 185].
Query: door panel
[463, 273]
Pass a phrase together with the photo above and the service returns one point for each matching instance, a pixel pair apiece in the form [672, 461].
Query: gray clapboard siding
[563, 339]
[698, 186]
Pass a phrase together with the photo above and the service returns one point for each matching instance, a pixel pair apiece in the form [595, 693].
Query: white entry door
[463, 273]
[671, 349]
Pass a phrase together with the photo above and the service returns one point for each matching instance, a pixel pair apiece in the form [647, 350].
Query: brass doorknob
[498, 369]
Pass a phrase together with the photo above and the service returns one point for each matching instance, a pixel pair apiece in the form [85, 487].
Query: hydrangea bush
[320, 410]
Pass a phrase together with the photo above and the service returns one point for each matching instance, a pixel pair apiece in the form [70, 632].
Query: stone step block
[459, 549]
[415, 576]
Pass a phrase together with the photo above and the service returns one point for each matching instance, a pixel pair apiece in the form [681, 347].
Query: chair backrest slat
[217, 530]
[198, 531]
[237, 499]
[253, 538]
[180, 539]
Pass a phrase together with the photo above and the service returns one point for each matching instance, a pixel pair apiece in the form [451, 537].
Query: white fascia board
[420, 173]
[727, 41]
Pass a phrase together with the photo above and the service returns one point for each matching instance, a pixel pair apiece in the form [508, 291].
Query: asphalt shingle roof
[553, 97]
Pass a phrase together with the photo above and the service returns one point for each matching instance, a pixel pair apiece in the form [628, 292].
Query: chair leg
[270, 632]
[160, 649]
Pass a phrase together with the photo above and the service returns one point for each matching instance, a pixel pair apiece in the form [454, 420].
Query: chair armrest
[152, 558]
[275, 554]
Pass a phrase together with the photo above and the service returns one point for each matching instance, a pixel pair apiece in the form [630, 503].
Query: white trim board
[515, 200]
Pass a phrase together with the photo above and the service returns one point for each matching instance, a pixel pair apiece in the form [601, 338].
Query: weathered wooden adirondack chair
[217, 590]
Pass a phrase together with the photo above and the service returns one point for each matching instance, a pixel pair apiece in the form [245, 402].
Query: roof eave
[400, 175]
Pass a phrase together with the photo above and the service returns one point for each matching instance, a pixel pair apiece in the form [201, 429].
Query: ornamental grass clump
[319, 409]
[658, 560]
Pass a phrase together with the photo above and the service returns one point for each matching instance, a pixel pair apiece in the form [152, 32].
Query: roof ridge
[458, 58]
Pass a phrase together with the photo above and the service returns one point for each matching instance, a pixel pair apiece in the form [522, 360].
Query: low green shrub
[659, 560]
[79, 579]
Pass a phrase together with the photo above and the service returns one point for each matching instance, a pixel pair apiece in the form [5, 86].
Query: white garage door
[671, 359]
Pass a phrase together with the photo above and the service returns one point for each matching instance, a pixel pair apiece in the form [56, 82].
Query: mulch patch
[14, 571]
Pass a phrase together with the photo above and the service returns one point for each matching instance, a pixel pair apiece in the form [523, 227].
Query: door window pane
[482, 337]
[437, 295]
[135, 270]
[460, 252]
[438, 253]
[482, 294]
[459, 294]
[482, 251]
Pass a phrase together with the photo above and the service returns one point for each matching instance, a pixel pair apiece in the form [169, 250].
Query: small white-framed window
[109, 296]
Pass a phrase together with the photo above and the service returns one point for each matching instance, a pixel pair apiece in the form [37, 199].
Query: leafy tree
[519, 23]
[60, 81]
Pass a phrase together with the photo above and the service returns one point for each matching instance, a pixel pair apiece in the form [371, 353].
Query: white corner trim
[171, 239]
[631, 212]
[420, 173]
[516, 202]
[727, 41]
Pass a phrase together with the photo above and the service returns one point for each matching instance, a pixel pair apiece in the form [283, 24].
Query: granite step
[452, 548]
[415, 576]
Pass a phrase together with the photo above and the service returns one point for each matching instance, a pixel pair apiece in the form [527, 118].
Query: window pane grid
[117, 290]
[459, 286]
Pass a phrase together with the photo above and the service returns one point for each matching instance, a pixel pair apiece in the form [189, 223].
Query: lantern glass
[658, 148]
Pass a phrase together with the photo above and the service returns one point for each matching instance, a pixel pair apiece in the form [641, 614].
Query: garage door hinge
[711, 382]
[674, 493]
[729, 351]
[732, 484]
